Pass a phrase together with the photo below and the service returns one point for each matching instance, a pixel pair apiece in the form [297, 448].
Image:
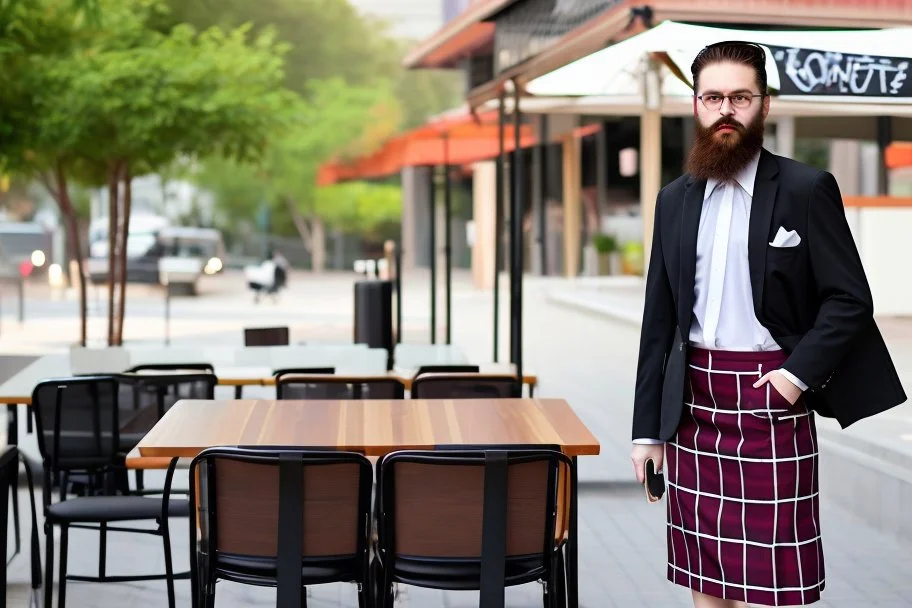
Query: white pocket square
[786, 238]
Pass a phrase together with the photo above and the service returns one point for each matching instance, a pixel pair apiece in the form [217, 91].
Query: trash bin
[374, 316]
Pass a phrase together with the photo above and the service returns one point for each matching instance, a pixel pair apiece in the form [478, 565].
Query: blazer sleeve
[656, 334]
[846, 307]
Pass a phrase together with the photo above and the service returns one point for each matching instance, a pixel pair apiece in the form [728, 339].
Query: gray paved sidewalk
[622, 554]
[588, 359]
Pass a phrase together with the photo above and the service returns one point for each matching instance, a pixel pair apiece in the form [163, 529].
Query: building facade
[576, 176]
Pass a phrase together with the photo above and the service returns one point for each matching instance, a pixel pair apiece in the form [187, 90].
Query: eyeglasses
[714, 101]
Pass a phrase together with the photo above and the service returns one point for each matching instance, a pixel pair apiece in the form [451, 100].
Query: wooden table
[18, 389]
[376, 428]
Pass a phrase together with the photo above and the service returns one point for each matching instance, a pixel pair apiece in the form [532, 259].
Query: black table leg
[12, 424]
[573, 541]
[12, 438]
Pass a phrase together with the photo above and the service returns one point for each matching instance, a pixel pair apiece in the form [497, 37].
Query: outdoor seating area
[307, 465]
[455, 303]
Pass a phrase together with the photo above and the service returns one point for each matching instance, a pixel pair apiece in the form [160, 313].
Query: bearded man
[758, 316]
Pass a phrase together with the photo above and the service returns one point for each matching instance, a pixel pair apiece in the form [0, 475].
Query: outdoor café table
[17, 390]
[376, 428]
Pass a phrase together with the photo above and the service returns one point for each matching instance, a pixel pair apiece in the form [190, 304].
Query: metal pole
[21, 299]
[516, 244]
[398, 279]
[601, 171]
[884, 139]
[447, 245]
[433, 262]
[544, 138]
[498, 220]
[167, 313]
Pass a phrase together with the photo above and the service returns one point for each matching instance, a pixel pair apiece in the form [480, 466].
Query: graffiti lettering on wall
[811, 72]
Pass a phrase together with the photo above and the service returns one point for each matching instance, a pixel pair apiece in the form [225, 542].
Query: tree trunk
[122, 261]
[113, 234]
[300, 223]
[62, 196]
[318, 244]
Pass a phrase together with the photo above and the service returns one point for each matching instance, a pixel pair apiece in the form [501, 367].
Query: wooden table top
[373, 427]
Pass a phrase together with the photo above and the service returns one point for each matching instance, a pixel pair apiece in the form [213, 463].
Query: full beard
[722, 156]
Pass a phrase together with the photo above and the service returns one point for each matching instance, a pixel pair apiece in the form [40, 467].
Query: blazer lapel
[690, 225]
[761, 215]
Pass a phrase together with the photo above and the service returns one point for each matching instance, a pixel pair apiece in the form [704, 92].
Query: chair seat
[462, 574]
[262, 570]
[98, 509]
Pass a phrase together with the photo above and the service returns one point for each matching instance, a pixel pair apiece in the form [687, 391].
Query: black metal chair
[10, 457]
[291, 371]
[287, 518]
[465, 386]
[315, 386]
[266, 336]
[476, 520]
[171, 367]
[144, 398]
[447, 369]
[78, 430]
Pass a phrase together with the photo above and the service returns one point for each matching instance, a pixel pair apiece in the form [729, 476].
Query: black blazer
[813, 298]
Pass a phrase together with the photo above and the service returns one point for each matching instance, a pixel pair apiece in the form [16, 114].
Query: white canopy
[858, 63]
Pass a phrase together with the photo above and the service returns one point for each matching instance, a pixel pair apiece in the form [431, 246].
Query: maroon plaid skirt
[743, 519]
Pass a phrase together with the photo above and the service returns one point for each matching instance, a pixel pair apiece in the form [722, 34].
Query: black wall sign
[825, 73]
[524, 29]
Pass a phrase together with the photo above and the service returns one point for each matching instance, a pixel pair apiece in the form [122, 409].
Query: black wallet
[653, 482]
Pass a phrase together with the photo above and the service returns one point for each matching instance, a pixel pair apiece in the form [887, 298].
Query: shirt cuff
[648, 441]
[791, 378]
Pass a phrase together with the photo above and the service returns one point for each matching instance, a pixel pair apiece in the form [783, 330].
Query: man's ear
[766, 106]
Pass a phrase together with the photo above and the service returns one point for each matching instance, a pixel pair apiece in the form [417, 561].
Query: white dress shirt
[723, 309]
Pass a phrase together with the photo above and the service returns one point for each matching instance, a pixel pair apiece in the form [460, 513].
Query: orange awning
[457, 140]
[898, 154]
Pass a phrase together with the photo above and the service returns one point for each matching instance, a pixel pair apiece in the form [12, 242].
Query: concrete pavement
[588, 359]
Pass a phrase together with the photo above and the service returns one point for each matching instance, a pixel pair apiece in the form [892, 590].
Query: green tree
[333, 118]
[361, 206]
[326, 38]
[124, 99]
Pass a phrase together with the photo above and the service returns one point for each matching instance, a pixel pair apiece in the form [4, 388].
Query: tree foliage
[112, 98]
[355, 95]
[360, 205]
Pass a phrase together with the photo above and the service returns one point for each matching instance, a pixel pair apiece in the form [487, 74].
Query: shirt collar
[746, 178]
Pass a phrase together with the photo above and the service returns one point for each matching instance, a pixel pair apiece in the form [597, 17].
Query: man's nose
[726, 109]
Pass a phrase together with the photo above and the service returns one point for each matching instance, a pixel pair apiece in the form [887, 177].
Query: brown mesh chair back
[260, 506]
[438, 518]
[266, 336]
[465, 386]
[326, 386]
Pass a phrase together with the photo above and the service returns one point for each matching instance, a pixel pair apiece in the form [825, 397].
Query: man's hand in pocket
[781, 384]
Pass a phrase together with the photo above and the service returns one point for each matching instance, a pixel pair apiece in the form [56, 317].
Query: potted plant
[606, 248]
